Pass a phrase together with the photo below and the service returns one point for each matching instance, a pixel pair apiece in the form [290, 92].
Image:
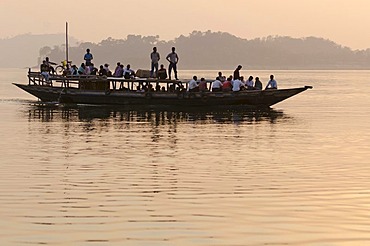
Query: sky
[342, 21]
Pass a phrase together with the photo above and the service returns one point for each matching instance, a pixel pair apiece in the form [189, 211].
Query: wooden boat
[119, 91]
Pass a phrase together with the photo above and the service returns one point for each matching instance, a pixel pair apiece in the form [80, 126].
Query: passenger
[93, 69]
[226, 86]
[220, 77]
[128, 73]
[193, 85]
[216, 85]
[82, 69]
[162, 72]
[88, 57]
[172, 88]
[154, 57]
[237, 85]
[173, 59]
[150, 88]
[106, 68]
[102, 71]
[203, 85]
[87, 70]
[250, 84]
[140, 89]
[73, 70]
[237, 72]
[157, 87]
[163, 89]
[272, 84]
[242, 80]
[258, 84]
[45, 69]
[67, 71]
[118, 72]
[49, 64]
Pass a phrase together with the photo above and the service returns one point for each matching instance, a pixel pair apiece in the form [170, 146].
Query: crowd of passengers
[234, 82]
[231, 83]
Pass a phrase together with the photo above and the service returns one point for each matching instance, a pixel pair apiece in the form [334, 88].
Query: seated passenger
[220, 77]
[73, 70]
[163, 89]
[82, 69]
[162, 72]
[138, 88]
[157, 87]
[102, 71]
[44, 69]
[128, 73]
[106, 68]
[272, 84]
[93, 69]
[258, 84]
[249, 84]
[50, 63]
[216, 85]
[203, 85]
[237, 85]
[193, 85]
[67, 71]
[226, 86]
[118, 72]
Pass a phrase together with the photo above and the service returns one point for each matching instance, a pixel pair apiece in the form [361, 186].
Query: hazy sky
[343, 21]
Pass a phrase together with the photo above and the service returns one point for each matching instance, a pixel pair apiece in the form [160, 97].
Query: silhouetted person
[193, 85]
[162, 73]
[155, 57]
[173, 59]
[237, 72]
[88, 57]
[49, 64]
[272, 84]
[258, 84]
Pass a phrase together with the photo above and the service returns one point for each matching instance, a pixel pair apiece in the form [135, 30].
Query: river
[298, 174]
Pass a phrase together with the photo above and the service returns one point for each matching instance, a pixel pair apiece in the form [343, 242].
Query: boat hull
[250, 98]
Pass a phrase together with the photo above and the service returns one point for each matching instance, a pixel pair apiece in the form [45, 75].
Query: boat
[101, 90]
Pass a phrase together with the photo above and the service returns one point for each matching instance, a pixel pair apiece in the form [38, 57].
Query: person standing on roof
[173, 59]
[155, 57]
[88, 57]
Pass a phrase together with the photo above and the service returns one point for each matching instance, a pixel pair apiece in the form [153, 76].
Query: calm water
[296, 175]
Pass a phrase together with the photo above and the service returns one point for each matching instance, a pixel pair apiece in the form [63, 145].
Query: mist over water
[297, 174]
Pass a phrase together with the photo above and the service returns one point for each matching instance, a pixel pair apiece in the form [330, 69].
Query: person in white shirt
[237, 85]
[216, 85]
[272, 84]
[128, 73]
[173, 59]
[193, 85]
[250, 84]
[154, 57]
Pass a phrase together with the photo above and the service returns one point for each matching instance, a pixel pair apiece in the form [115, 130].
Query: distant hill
[23, 50]
[198, 50]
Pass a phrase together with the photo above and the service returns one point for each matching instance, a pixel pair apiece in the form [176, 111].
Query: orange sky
[342, 21]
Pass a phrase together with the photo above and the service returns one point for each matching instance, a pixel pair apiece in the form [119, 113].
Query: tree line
[219, 50]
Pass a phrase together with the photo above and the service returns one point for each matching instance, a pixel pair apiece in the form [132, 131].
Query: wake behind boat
[101, 90]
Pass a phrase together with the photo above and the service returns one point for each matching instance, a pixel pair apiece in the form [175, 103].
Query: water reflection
[155, 116]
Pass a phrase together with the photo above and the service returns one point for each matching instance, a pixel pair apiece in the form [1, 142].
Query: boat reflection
[47, 113]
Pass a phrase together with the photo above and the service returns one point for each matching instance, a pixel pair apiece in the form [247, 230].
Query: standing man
[88, 57]
[173, 60]
[237, 72]
[155, 57]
